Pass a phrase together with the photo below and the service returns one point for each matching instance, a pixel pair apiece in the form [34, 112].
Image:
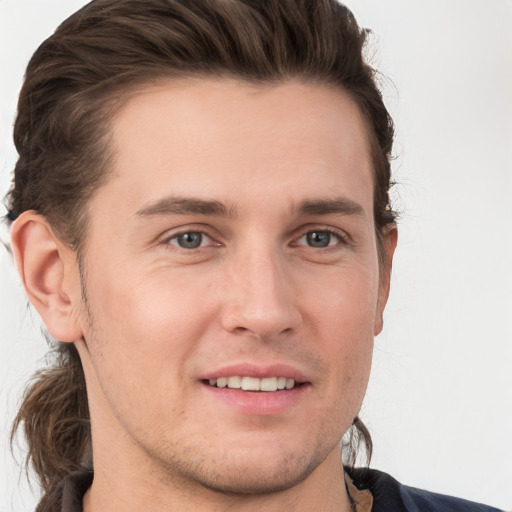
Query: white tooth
[212, 382]
[250, 384]
[269, 384]
[222, 382]
[290, 383]
[234, 382]
[281, 382]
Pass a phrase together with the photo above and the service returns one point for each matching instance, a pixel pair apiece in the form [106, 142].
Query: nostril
[245, 331]
[263, 319]
[241, 330]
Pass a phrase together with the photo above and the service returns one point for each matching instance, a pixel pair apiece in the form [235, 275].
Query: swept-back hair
[88, 68]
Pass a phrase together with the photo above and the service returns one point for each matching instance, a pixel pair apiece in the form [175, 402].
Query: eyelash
[203, 234]
[342, 239]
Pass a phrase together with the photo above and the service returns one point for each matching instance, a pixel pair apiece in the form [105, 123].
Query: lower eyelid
[172, 240]
[207, 240]
[342, 239]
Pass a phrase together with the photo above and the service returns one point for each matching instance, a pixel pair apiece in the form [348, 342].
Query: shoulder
[389, 494]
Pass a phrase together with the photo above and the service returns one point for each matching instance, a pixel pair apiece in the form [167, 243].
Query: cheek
[342, 318]
[140, 335]
[344, 303]
[150, 308]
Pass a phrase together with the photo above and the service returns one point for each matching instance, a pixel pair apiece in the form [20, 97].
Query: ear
[49, 273]
[389, 242]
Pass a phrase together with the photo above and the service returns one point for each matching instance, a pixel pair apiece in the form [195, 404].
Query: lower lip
[259, 403]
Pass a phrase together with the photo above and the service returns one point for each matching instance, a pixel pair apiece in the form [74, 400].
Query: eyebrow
[192, 206]
[185, 206]
[341, 205]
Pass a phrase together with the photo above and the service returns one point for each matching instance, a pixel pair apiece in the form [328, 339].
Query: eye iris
[318, 238]
[190, 240]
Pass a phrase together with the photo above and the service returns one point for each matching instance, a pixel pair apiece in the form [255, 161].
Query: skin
[158, 317]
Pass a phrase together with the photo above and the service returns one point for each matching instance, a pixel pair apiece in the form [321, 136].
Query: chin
[251, 480]
[237, 472]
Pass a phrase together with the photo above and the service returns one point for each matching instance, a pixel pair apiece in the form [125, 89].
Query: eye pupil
[318, 238]
[190, 240]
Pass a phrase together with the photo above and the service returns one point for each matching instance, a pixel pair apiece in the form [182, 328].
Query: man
[201, 218]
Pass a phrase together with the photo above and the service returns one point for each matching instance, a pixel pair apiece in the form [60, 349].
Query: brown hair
[74, 83]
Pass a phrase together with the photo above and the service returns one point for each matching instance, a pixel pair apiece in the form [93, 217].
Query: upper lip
[257, 371]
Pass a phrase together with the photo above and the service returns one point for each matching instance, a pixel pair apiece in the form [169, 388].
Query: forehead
[210, 136]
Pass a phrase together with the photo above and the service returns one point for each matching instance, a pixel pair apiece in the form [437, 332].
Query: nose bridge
[260, 300]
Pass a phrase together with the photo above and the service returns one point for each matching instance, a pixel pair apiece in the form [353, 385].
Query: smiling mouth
[267, 384]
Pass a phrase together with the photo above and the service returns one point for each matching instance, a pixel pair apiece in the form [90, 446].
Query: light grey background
[439, 404]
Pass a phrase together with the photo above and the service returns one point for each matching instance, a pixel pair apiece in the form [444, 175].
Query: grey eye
[191, 240]
[318, 238]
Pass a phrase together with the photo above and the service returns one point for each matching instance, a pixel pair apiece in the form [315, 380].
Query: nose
[260, 301]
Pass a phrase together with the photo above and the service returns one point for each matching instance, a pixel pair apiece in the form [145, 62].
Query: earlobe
[46, 267]
[389, 243]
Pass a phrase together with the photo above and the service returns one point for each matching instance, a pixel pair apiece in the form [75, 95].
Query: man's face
[234, 239]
